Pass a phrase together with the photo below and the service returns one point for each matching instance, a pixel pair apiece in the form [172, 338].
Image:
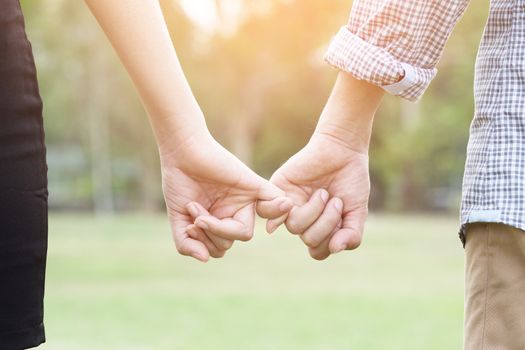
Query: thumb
[275, 208]
[350, 235]
[272, 201]
[267, 191]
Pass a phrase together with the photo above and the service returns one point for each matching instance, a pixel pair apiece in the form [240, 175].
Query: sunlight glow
[212, 16]
[203, 12]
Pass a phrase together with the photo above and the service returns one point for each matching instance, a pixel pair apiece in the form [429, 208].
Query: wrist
[175, 117]
[349, 113]
[172, 138]
[352, 139]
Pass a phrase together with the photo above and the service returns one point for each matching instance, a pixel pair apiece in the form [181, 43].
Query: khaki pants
[494, 288]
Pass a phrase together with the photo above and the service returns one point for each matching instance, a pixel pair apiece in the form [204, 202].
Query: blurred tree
[262, 84]
[90, 102]
[269, 83]
[86, 90]
[418, 151]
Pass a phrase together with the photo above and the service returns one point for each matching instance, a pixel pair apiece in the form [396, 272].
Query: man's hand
[329, 185]
[210, 196]
[328, 179]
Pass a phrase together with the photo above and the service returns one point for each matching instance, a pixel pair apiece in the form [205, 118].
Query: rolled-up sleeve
[395, 44]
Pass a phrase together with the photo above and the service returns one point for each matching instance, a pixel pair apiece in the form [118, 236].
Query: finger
[350, 235]
[274, 208]
[184, 243]
[300, 218]
[322, 251]
[268, 191]
[273, 224]
[325, 225]
[198, 234]
[240, 227]
[219, 242]
[196, 210]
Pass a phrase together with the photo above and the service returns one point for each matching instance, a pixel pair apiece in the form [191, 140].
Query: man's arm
[328, 179]
[388, 45]
[395, 44]
[349, 113]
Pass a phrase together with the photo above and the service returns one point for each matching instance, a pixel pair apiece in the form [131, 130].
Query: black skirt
[23, 188]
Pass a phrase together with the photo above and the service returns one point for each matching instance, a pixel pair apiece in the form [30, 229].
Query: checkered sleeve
[395, 44]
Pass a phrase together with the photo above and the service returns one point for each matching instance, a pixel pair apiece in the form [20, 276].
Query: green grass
[117, 283]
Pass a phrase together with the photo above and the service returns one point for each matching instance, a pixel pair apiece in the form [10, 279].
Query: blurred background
[114, 279]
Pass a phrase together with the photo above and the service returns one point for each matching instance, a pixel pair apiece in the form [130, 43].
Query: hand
[328, 179]
[210, 197]
[329, 185]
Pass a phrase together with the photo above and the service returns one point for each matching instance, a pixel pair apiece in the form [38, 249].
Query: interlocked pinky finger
[275, 208]
[273, 224]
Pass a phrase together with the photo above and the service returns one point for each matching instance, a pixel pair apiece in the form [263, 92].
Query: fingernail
[339, 249]
[271, 228]
[202, 224]
[198, 256]
[324, 195]
[286, 205]
[338, 204]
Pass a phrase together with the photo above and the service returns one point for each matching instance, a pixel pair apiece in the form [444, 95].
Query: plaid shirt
[396, 44]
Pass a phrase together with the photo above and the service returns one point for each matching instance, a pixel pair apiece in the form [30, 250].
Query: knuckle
[293, 225]
[262, 209]
[181, 250]
[218, 254]
[246, 235]
[311, 241]
[354, 242]
[319, 256]
[225, 245]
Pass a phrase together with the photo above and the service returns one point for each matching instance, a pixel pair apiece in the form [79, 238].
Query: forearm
[139, 34]
[349, 113]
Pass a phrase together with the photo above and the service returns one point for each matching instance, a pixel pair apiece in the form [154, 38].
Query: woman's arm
[210, 195]
[139, 34]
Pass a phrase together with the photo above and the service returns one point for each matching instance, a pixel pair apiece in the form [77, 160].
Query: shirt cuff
[378, 66]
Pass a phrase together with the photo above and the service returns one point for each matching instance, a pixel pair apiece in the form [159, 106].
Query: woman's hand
[211, 195]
